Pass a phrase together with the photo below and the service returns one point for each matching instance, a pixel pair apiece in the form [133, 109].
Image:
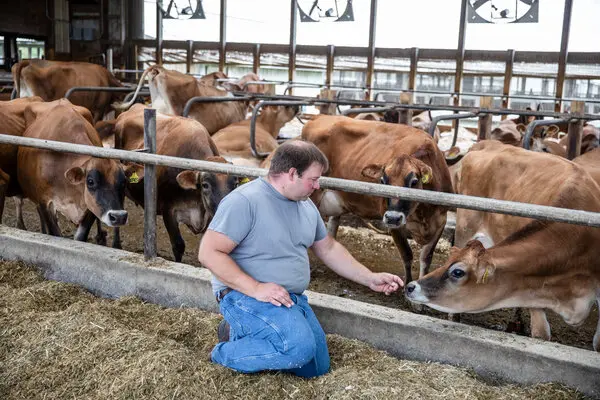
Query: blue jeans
[267, 337]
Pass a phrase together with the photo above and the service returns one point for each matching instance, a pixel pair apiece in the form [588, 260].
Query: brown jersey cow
[391, 154]
[80, 187]
[233, 141]
[52, 79]
[170, 91]
[184, 196]
[509, 261]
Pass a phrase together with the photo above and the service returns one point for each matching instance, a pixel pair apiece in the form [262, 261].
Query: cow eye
[205, 185]
[90, 182]
[457, 273]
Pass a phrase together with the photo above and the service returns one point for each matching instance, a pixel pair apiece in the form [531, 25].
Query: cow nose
[394, 219]
[117, 217]
[410, 288]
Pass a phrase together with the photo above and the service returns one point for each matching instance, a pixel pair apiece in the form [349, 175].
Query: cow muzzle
[394, 219]
[115, 217]
[414, 293]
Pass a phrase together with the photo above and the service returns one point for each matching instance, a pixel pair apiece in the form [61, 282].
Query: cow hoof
[101, 238]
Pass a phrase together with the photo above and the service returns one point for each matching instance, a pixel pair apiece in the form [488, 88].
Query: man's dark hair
[297, 154]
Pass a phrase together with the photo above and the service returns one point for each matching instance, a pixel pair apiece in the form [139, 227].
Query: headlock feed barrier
[426, 196]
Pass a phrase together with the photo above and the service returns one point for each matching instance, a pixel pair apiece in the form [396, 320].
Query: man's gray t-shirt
[272, 234]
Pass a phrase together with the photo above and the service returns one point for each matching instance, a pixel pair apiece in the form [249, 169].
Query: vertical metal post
[460, 51]
[223, 36]
[292, 52]
[508, 73]
[136, 64]
[159, 32]
[414, 61]
[109, 59]
[330, 60]
[371, 59]
[485, 120]
[256, 60]
[189, 55]
[562, 57]
[150, 185]
[575, 130]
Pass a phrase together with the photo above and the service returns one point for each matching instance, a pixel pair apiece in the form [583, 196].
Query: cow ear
[552, 131]
[373, 171]
[133, 172]
[485, 271]
[218, 159]
[188, 179]
[75, 175]
[426, 173]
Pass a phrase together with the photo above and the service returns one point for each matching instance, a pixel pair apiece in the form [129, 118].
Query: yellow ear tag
[244, 180]
[485, 275]
[425, 178]
[134, 178]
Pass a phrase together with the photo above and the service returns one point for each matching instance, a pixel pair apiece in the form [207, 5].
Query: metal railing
[548, 213]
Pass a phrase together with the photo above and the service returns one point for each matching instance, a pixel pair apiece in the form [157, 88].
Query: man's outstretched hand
[384, 282]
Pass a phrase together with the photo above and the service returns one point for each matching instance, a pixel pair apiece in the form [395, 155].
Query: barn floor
[374, 250]
[58, 341]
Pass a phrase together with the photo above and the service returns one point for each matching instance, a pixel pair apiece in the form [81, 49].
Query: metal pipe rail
[424, 107]
[540, 122]
[212, 99]
[547, 213]
[258, 106]
[366, 110]
[96, 89]
[435, 120]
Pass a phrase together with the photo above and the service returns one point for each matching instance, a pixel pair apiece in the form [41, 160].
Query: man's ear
[75, 175]
[373, 171]
[188, 179]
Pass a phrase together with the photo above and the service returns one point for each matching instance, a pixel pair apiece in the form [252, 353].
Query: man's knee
[298, 345]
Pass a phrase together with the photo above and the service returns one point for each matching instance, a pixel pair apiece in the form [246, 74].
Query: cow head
[103, 183]
[406, 171]
[209, 188]
[508, 132]
[275, 117]
[466, 283]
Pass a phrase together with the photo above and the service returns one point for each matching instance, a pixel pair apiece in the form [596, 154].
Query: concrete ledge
[114, 273]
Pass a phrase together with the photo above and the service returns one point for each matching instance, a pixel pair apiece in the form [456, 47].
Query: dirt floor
[57, 341]
[375, 250]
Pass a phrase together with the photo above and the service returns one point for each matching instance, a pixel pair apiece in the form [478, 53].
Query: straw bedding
[58, 341]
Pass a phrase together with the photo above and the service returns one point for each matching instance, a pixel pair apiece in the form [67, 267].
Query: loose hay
[57, 341]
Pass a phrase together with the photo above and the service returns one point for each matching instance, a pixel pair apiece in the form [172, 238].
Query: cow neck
[270, 125]
[537, 262]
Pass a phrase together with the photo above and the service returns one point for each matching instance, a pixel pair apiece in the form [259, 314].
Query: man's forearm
[340, 261]
[228, 272]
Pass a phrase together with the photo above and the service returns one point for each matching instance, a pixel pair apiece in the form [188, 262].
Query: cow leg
[43, 222]
[332, 225]
[116, 242]
[4, 180]
[100, 234]
[540, 328]
[426, 254]
[19, 210]
[172, 226]
[49, 219]
[84, 227]
[596, 342]
[405, 252]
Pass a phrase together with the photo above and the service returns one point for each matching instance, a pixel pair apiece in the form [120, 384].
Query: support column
[562, 57]
[575, 130]
[292, 51]
[223, 36]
